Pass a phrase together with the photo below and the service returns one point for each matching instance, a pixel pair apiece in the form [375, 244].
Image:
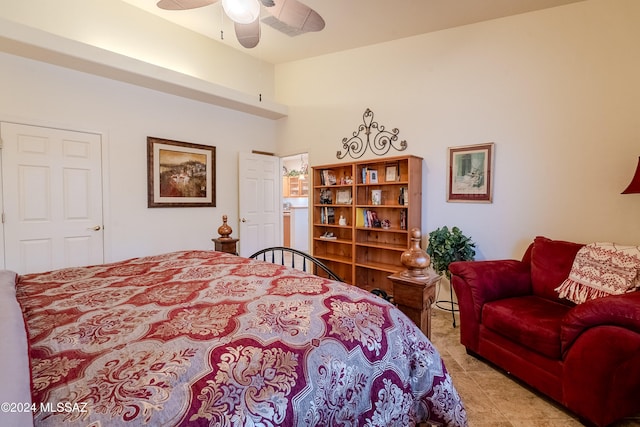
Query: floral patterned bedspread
[207, 338]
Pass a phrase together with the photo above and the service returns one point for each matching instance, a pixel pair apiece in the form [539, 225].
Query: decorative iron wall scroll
[379, 142]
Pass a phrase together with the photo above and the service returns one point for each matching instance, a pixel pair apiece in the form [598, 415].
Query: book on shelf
[373, 220]
[327, 215]
[326, 196]
[403, 219]
[370, 219]
[369, 176]
[327, 177]
[403, 198]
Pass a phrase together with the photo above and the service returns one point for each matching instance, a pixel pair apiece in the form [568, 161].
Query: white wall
[556, 90]
[41, 94]
[119, 27]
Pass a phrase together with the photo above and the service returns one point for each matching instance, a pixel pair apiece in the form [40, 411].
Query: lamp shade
[634, 186]
[242, 11]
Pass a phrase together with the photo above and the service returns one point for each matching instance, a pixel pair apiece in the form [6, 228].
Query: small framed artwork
[391, 173]
[373, 176]
[344, 197]
[180, 174]
[376, 197]
[470, 173]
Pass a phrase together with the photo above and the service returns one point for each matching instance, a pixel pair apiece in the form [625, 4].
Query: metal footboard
[295, 259]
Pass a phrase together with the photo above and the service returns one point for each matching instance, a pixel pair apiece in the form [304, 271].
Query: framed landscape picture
[180, 174]
[470, 173]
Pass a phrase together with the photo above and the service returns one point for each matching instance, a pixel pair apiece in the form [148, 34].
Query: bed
[209, 338]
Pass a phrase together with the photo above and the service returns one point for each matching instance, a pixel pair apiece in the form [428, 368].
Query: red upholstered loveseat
[586, 356]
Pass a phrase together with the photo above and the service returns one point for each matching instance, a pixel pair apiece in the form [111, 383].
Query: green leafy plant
[446, 246]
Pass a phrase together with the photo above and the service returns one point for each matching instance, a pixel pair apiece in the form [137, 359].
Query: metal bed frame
[306, 262]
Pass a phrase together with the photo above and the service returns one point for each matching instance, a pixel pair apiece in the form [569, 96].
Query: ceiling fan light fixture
[290, 17]
[242, 11]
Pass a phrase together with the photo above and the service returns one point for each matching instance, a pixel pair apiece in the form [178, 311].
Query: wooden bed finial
[415, 259]
[224, 230]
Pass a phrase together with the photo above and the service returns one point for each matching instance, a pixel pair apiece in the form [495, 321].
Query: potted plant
[446, 246]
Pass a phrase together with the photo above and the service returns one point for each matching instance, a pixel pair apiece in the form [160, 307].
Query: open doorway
[295, 201]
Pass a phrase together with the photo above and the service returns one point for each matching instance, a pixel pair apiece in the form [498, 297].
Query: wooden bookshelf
[380, 200]
[330, 182]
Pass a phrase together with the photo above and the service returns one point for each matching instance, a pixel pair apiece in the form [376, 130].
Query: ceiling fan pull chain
[221, 23]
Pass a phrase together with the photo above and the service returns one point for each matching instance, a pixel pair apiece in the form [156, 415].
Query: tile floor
[491, 398]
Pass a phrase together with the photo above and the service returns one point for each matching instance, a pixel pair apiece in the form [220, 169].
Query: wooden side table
[414, 297]
[227, 245]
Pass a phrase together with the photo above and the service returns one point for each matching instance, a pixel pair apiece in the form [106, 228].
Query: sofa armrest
[491, 280]
[617, 310]
[601, 374]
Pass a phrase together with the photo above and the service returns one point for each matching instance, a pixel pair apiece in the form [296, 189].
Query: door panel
[52, 189]
[259, 199]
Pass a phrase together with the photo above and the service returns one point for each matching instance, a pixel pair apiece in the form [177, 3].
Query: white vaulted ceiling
[350, 23]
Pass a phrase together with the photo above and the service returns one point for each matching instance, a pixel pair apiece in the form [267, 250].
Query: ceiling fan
[288, 16]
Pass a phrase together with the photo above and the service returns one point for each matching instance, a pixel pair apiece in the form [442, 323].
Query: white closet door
[52, 192]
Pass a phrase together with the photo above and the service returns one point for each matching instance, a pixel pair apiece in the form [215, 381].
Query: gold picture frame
[180, 174]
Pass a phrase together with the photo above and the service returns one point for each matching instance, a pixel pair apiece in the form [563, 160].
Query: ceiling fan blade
[294, 14]
[248, 34]
[183, 4]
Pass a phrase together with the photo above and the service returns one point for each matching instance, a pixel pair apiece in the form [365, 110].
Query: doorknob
[96, 228]
[243, 220]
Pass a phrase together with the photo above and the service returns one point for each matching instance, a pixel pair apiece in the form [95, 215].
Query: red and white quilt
[206, 338]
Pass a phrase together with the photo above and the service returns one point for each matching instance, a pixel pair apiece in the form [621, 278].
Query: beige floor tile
[478, 406]
[452, 365]
[489, 423]
[546, 423]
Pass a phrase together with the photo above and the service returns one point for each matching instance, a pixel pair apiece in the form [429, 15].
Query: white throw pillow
[15, 375]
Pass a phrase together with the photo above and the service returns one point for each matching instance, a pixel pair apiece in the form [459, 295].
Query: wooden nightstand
[414, 297]
[226, 245]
